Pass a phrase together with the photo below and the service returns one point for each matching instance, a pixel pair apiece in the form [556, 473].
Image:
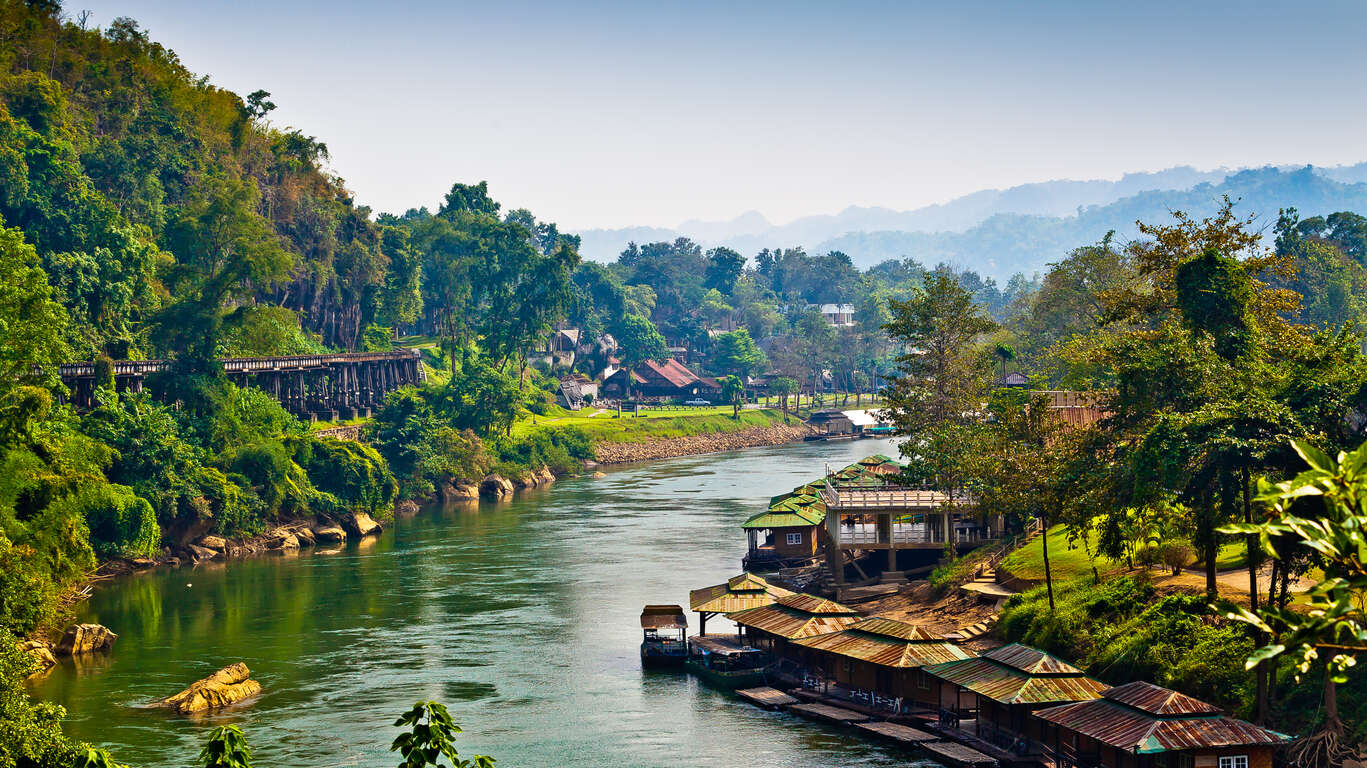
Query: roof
[1184, 723]
[1018, 674]
[797, 616]
[887, 643]
[830, 309]
[670, 371]
[663, 617]
[720, 646]
[801, 508]
[737, 594]
[860, 418]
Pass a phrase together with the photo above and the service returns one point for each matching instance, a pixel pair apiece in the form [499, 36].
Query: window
[1234, 761]
[796, 538]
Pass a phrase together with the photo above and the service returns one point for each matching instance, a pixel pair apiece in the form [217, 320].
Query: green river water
[521, 616]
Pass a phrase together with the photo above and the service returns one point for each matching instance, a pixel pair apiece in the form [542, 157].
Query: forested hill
[1021, 229]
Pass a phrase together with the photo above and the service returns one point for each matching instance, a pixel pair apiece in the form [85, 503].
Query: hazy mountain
[1020, 228]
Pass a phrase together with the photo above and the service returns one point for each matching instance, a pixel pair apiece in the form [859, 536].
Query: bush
[424, 451]
[352, 473]
[30, 732]
[563, 449]
[121, 523]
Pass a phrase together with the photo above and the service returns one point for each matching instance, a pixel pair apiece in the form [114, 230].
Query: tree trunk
[1048, 576]
[1251, 542]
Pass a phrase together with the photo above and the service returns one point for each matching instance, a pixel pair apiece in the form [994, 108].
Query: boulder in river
[496, 486]
[42, 655]
[86, 638]
[458, 491]
[545, 476]
[360, 524]
[329, 533]
[216, 543]
[227, 686]
[203, 553]
[282, 538]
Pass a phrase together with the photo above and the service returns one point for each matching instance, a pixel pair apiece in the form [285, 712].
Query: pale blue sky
[613, 114]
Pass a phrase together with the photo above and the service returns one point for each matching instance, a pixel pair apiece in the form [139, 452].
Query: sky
[603, 114]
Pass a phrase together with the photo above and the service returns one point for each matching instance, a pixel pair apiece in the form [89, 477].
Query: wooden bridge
[324, 387]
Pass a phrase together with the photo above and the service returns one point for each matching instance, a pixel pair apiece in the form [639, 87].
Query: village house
[739, 593]
[883, 656]
[1003, 686]
[772, 627]
[788, 532]
[1142, 725]
[659, 380]
[838, 315]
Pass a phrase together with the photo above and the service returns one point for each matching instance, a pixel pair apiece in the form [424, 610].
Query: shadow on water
[521, 616]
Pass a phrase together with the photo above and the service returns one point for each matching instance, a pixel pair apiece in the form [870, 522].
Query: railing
[245, 364]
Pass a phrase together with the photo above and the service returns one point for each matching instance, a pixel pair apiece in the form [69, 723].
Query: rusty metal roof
[1140, 732]
[737, 594]
[791, 623]
[990, 677]
[1031, 661]
[887, 643]
[1157, 700]
[816, 605]
[663, 617]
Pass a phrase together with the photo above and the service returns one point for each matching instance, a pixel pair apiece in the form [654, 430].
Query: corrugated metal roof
[1140, 732]
[991, 678]
[900, 630]
[885, 649]
[737, 594]
[795, 519]
[817, 606]
[663, 617]
[1157, 700]
[1031, 660]
[791, 623]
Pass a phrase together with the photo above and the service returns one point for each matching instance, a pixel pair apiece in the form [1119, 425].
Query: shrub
[121, 523]
[353, 473]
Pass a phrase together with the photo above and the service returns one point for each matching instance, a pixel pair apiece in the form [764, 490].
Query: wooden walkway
[829, 714]
[768, 698]
[903, 734]
[958, 754]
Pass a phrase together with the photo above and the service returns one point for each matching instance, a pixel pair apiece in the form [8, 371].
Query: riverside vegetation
[145, 212]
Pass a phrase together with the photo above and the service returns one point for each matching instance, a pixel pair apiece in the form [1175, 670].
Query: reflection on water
[521, 616]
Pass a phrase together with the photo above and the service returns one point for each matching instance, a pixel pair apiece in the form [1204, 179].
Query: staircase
[987, 572]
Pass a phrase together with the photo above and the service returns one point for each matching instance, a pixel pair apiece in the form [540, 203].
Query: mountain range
[1000, 232]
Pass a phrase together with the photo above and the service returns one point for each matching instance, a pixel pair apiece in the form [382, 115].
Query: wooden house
[1142, 725]
[883, 656]
[660, 380]
[737, 594]
[789, 532]
[1004, 685]
[772, 627]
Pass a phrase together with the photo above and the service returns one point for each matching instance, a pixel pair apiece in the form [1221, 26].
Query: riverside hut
[1004, 685]
[789, 532]
[883, 656]
[772, 627]
[1142, 725]
[737, 594]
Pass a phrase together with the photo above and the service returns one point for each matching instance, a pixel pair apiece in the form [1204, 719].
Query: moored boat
[665, 630]
[725, 663]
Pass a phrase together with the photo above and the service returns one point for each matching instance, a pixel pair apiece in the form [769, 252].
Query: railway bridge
[319, 387]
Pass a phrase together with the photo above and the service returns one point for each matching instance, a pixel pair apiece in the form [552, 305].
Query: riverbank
[693, 445]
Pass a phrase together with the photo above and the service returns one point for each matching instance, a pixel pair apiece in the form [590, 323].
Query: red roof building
[659, 379]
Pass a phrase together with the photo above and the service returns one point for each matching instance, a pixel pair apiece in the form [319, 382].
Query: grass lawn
[650, 425]
[1066, 560]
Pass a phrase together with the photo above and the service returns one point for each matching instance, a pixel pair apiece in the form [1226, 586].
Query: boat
[665, 641]
[725, 663]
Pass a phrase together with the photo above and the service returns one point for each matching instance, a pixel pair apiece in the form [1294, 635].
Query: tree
[737, 354]
[940, 372]
[733, 392]
[1005, 354]
[639, 341]
[724, 267]
[783, 387]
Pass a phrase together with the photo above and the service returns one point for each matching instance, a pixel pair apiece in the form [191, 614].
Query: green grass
[651, 425]
[1066, 561]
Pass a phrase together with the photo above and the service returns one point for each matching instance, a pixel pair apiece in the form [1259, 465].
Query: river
[521, 616]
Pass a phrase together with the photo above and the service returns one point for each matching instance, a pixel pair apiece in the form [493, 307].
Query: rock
[525, 480]
[142, 563]
[282, 538]
[360, 524]
[459, 491]
[86, 638]
[329, 533]
[227, 686]
[406, 508]
[216, 543]
[496, 486]
[202, 553]
[691, 445]
[597, 475]
[545, 476]
[305, 536]
[42, 655]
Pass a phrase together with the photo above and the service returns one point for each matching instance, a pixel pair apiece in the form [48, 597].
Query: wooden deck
[958, 755]
[829, 714]
[901, 734]
[769, 698]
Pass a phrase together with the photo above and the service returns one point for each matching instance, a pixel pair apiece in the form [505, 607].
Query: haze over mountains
[1022, 228]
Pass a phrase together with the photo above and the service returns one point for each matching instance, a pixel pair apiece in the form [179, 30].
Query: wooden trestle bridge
[325, 387]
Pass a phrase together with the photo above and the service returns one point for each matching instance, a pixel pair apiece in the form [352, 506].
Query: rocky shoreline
[693, 445]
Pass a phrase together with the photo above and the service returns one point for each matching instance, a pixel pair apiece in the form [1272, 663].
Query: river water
[521, 616]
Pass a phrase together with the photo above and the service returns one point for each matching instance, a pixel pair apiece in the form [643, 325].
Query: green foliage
[95, 758]
[431, 737]
[423, 449]
[736, 353]
[263, 331]
[30, 732]
[562, 449]
[121, 523]
[226, 748]
[352, 473]
[1213, 293]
